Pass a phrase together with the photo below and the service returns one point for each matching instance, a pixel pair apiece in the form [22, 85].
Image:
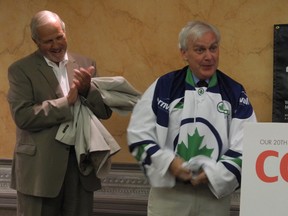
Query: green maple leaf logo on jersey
[194, 143]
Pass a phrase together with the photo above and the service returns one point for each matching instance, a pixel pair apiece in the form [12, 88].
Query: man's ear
[35, 41]
[183, 54]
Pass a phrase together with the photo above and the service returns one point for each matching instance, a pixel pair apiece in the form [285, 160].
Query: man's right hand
[179, 171]
[72, 95]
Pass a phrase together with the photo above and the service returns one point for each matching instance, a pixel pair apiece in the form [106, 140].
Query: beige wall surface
[137, 39]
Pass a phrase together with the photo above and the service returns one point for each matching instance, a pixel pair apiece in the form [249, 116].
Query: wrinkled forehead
[207, 39]
[202, 35]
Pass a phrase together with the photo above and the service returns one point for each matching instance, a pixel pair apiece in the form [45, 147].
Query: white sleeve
[143, 141]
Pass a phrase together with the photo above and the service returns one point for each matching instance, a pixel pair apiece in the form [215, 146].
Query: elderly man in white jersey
[187, 131]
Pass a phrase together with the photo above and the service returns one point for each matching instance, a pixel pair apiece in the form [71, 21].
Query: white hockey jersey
[202, 125]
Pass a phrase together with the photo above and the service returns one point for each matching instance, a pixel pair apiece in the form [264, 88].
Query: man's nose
[55, 44]
[208, 54]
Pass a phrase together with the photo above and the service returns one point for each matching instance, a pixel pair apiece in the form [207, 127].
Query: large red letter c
[260, 167]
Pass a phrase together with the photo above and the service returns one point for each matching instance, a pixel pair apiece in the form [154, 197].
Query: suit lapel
[49, 75]
[71, 65]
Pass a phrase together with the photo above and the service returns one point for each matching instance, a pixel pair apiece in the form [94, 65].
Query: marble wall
[137, 39]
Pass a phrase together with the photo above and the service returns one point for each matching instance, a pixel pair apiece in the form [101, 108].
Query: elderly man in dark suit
[43, 88]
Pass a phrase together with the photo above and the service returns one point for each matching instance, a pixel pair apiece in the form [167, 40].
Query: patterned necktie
[202, 83]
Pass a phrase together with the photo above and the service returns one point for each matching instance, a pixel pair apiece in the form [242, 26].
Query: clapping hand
[82, 79]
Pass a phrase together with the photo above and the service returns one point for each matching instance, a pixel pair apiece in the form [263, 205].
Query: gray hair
[42, 18]
[194, 30]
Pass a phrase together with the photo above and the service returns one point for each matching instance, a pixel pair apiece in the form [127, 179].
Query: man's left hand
[82, 79]
[201, 178]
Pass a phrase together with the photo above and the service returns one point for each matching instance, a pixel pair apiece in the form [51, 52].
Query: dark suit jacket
[38, 107]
